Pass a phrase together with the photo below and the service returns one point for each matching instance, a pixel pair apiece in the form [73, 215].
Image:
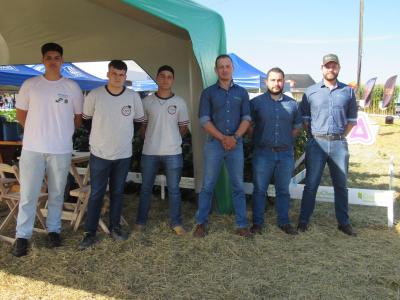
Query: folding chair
[11, 199]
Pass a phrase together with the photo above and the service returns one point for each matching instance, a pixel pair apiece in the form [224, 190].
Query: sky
[294, 35]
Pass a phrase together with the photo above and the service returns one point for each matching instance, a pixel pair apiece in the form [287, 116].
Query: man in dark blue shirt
[224, 114]
[277, 121]
[329, 113]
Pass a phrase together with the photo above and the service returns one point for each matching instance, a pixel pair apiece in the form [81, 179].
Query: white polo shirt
[112, 124]
[163, 118]
[51, 107]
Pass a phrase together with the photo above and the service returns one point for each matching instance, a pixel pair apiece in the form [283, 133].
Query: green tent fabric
[205, 27]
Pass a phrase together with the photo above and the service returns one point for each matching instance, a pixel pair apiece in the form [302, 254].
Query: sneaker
[288, 229]
[302, 227]
[243, 232]
[20, 247]
[88, 241]
[199, 231]
[53, 240]
[256, 229]
[118, 234]
[347, 229]
[179, 230]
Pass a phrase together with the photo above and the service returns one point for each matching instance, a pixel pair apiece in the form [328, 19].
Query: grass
[320, 264]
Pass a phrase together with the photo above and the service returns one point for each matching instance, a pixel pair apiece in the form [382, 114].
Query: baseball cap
[330, 57]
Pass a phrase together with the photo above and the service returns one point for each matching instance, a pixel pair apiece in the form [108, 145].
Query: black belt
[329, 137]
[274, 149]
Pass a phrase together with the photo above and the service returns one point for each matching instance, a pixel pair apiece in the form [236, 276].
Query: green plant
[377, 96]
[10, 115]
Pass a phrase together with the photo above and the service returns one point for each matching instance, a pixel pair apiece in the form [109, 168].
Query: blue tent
[244, 75]
[15, 75]
[144, 85]
[85, 80]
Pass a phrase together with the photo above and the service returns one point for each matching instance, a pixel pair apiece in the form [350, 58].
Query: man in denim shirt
[329, 112]
[277, 121]
[225, 115]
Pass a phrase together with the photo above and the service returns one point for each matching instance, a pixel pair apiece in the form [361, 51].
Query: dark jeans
[267, 165]
[320, 152]
[103, 172]
[173, 168]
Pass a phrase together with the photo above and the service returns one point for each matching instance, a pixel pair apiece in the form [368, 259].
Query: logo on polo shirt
[61, 98]
[172, 109]
[126, 110]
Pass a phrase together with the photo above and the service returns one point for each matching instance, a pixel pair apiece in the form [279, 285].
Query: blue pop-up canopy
[15, 75]
[85, 80]
[244, 75]
[144, 85]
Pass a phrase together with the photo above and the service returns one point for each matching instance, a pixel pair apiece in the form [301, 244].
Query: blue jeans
[336, 155]
[268, 164]
[173, 168]
[33, 167]
[214, 155]
[102, 173]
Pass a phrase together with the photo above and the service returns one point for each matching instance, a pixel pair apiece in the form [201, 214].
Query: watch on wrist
[237, 137]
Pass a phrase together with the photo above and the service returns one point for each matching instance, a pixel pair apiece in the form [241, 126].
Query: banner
[368, 88]
[388, 91]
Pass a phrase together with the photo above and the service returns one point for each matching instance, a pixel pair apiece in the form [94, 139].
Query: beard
[276, 92]
[330, 76]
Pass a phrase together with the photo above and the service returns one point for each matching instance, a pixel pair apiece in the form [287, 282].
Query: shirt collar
[338, 84]
[269, 96]
[230, 86]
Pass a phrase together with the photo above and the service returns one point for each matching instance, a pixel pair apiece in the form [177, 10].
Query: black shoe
[302, 227]
[20, 247]
[54, 239]
[347, 229]
[288, 229]
[88, 240]
[118, 234]
[256, 229]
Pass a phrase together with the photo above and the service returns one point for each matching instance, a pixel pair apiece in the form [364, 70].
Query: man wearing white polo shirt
[50, 108]
[166, 121]
[113, 109]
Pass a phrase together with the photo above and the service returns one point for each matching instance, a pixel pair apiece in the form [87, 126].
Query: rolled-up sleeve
[298, 120]
[352, 109]
[205, 108]
[305, 109]
[245, 114]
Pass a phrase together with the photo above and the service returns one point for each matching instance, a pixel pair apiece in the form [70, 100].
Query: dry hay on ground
[323, 263]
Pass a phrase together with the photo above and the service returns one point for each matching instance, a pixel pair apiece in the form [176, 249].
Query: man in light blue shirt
[329, 113]
[277, 121]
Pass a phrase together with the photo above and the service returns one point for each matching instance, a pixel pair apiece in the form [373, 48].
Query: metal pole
[360, 44]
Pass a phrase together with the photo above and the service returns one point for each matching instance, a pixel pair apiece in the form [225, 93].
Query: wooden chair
[11, 198]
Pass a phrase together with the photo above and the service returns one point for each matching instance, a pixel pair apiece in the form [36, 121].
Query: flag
[388, 91]
[368, 88]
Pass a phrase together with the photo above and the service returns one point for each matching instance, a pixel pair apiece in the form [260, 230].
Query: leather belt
[273, 149]
[329, 137]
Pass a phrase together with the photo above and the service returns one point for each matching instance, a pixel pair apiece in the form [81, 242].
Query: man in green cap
[329, 113]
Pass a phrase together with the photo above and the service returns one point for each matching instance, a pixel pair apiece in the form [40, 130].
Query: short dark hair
[118, 64]
[276, 70]
[166, 68]
[221, 56]
[52, 47]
